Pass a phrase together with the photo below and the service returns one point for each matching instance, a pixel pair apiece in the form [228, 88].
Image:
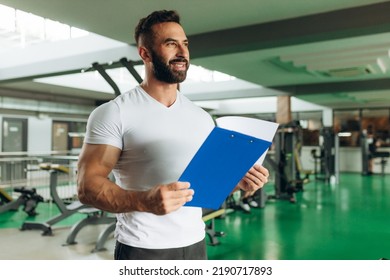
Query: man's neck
[162, 92]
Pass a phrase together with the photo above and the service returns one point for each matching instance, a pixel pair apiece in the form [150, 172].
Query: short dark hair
[144, 27]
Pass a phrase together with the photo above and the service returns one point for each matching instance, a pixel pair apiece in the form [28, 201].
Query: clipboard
[219, 164]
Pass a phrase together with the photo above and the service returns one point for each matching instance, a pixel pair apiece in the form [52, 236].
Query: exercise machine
[324, 162]
[209, 217]
[233, 201]
[370, 152]
[283, 164]
[66, 210]
[285, 161]
[299, 167]
[124, 62]
[94, 217]
[4, 197]
[98, 217]
[103, 236]
[28, 198]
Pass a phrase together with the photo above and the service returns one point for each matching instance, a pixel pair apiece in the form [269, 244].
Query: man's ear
[144, 54]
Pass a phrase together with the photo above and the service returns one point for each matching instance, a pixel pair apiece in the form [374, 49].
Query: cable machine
[288, 179]
[128, 64]
[326, 158]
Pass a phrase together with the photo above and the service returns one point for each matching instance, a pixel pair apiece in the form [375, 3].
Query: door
[60, 139]
[14, 135]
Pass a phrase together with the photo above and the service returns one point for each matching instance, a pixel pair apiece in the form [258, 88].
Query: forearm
[95, 189]
[108, 196]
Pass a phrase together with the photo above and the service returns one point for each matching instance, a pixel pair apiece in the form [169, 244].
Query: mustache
[179, 60]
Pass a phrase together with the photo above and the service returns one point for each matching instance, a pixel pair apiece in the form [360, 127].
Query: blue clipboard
[219, 164]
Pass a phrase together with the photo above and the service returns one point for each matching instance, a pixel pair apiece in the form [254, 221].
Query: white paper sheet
[253, 127]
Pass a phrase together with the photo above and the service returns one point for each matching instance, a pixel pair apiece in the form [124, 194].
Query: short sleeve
[104, 126]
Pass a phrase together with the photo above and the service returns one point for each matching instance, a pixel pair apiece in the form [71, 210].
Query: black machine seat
[383, 156]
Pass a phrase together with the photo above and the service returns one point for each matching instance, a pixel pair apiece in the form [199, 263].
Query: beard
[164, 73]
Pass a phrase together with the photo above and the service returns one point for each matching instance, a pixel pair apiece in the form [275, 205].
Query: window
[348, 121]
[67, 135]
[378, 121]
[311, 123]
[356, 121]
[14, 135]
[20, 29]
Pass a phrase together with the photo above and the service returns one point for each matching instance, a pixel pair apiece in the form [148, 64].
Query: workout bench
[94, 217]
[97, 217]
[66, 210]
[209, 216]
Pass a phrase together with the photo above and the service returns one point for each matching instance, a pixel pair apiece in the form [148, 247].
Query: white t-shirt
[157, 143]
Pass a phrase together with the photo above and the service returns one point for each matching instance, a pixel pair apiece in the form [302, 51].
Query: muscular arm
[95, 189]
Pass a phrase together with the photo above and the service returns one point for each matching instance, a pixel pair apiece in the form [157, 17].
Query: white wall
[38, 134]
[350, 160]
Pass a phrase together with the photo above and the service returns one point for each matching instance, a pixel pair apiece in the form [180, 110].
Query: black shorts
[196, 251]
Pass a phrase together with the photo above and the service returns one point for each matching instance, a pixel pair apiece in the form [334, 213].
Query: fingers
[260, 169]
[179, 191]
[177, 186]
[255, 178]
[170, 197]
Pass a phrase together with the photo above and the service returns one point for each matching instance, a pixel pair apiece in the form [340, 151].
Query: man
[147, 137]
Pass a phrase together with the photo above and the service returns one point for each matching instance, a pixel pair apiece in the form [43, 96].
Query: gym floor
[348, 221]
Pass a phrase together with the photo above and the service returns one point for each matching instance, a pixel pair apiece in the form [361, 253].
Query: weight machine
[369, 153]
[66, 210]
[101, 69]
[324, 162]
[29, 199]
[288, 178]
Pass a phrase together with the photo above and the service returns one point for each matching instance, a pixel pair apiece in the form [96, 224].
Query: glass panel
[56, 30]
[60, 136]
[7, 18]
[14, 135]
[377, 121]
[76, 134]
[21, 29]
[311, 123]
[348, 121]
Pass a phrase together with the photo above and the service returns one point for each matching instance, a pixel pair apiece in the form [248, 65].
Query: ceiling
[334, 53]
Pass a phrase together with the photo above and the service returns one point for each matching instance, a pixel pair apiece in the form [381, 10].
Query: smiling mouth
[179, 64]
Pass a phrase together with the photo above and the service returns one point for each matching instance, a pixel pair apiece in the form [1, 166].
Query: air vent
[348, 72]
[345, 72]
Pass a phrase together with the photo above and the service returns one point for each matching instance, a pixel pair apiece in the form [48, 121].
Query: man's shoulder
[189, 103]
[129, 94]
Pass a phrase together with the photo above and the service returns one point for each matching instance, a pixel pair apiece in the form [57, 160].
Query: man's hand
[253, 180]
[164, 199]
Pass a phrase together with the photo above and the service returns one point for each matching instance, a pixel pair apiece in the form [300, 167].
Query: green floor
[349, 221]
